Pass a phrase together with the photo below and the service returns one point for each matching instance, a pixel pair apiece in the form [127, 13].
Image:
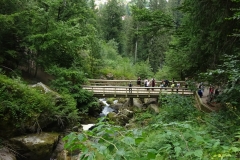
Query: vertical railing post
[115, 91]
[149, 92]
[137, 92]
[104, 92]
[126, 91]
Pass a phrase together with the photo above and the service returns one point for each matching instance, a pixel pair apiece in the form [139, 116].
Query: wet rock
[154, 108]
[6, 154]
[122, 100]
[127, 113]
[36, 146]
[44, 88]
[137, 103]
[121, 117]
[116, 106]
[148, 101]
[112, 116]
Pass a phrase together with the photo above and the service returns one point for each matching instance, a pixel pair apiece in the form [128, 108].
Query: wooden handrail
[125, 82]
[200, 104]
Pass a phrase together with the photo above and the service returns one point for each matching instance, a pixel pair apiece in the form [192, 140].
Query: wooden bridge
[119, 88]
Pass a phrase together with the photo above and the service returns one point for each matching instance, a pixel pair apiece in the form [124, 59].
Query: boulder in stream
[36, 146]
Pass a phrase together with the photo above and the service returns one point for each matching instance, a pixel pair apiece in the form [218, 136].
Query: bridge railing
[137, 91]
[201, 106]
[102, 82]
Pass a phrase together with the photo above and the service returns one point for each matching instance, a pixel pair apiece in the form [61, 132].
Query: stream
[105, 111]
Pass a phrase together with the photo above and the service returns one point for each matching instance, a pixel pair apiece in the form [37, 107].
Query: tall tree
[204, 35]
[55, 33]
[111, 22]
[154, 26]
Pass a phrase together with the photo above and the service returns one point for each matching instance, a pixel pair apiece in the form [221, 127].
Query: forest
[63, 43]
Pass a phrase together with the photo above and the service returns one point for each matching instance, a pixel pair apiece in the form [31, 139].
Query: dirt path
[213, 105]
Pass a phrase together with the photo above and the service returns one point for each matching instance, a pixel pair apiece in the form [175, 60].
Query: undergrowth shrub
[158, 141]
[177, 107]
[70, 81]
[23, 105]
[223, 124]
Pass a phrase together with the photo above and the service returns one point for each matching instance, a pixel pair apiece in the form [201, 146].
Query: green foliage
[120, 67]
[235, 16]
[44, 33]
[226, 77]
[69, 81]
[177, 59]
[140, 117]
[27, 105]
[143, 70]
[158, 20]
[179, 131]
[199, 42]
[110, 20]
[177, 107]
[167, 73]
[182, 140]
[113, 142]
[151, 37]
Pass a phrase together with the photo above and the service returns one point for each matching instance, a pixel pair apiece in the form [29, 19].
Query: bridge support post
[130, 102]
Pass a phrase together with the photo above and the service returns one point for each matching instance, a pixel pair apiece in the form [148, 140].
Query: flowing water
[105, 111]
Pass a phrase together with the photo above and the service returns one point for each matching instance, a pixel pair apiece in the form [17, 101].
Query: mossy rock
[110, 100]
[36, 146]
[122, 100]
[153, 108]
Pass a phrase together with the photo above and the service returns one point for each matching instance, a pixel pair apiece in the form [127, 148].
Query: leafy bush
[183, 140]
[166, 73]
[142, 116]
[143, 70]
[121, 68]
[69, 81]
[113, 142]
[177, 107]
[24, 105]
[227, 77]
[158, 141]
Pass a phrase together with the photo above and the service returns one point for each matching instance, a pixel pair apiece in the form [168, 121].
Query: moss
[110, 100]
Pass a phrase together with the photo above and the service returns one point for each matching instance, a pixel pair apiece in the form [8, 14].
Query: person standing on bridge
[153, 83]
[130, 87]
[166, 83]
[145, 82]
[172, 86]
[139, 82]
[178, 86]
